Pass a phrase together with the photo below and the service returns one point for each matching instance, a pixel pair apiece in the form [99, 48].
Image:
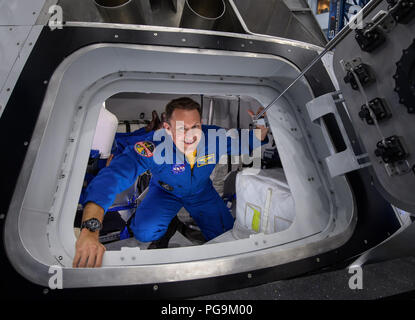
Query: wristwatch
[92, 225]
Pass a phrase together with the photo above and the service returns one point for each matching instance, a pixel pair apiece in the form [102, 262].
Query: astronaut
[181, 158]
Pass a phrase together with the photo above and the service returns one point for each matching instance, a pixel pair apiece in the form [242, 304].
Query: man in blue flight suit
[181, 158]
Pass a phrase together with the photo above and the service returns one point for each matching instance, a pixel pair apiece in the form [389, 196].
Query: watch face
[93, 224]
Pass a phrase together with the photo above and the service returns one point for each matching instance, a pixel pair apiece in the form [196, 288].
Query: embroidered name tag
[144, 148]
[205, 160]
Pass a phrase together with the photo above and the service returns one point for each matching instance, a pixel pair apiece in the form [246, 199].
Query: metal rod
[210, 119]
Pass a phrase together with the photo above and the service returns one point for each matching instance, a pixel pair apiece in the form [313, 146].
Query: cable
[363, 93]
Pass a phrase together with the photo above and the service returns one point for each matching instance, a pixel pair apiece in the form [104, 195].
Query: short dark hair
[181, 103]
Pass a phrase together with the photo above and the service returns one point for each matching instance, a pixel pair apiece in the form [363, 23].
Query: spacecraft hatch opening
[265, 203]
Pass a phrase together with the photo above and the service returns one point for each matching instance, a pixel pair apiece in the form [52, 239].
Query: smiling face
[185, 128]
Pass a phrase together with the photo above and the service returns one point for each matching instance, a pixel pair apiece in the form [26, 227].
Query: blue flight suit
[122, 140]
[174, 184]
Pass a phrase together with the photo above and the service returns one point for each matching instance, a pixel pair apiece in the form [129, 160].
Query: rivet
[155, 34]
[184, 40]
[249, 276]
[116, 36]
[155, 287]
[318, 259]
[25, 143]
[2, 216]
[45, 291]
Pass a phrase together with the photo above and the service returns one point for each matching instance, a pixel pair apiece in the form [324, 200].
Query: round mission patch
[144, 148]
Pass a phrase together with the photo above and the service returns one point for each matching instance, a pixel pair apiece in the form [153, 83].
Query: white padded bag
[264, 203]
[105, 133]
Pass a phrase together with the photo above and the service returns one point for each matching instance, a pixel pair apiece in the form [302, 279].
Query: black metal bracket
[370, 37]
[363, 73]
[391, 150]
[379, 109]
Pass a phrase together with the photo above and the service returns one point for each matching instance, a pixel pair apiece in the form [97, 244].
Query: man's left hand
[264, 130]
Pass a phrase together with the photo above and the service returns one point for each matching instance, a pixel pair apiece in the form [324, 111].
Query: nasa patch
[144, 148]
[178, 168]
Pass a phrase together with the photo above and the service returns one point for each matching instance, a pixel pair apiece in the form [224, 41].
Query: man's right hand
[89, 251]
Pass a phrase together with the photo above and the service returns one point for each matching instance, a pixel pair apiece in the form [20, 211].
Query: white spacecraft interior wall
[86, 80]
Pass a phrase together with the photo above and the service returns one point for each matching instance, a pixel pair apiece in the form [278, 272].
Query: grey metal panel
[401, 244]
[12, 41]
[382, 61]
[20, 12]
[15, 47]
[292, 20]
[18, 34]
